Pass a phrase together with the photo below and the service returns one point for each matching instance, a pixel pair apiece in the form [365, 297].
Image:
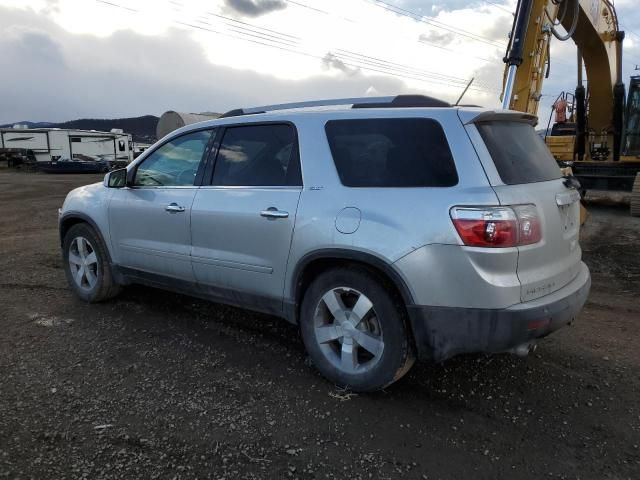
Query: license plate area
[569, 210]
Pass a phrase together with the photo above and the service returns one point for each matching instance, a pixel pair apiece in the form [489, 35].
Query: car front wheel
[86, 264]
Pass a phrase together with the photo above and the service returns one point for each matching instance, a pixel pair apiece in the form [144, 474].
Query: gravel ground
[157, 385]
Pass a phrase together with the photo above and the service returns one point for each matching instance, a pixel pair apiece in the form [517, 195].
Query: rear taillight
[497, 226]
[528, 224]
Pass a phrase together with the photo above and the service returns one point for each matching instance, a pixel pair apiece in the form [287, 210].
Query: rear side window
[391, 152]
[258, 155]
[518, 152]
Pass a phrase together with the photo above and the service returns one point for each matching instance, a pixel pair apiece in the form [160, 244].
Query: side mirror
[116, 178]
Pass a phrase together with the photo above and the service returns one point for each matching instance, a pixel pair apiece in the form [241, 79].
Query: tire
[634, 207]
[83, 249]
[333, 340]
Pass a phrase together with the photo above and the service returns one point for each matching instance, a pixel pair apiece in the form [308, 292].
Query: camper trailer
[53, 149]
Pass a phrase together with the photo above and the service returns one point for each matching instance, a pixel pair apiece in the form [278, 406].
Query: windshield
[518, 152]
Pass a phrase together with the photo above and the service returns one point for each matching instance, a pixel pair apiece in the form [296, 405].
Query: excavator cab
[631, 136]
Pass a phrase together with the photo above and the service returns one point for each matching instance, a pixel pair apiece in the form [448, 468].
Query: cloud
[128, 74]
[332, 61]
[52, 6]
[28, 42]
[489, 75]
[439, 38]
[254, 8]
[499, 30]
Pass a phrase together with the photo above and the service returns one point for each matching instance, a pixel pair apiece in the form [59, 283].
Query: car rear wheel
[86, 265]
[355, 330]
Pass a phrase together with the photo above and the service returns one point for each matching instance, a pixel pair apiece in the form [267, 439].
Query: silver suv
[386, 228]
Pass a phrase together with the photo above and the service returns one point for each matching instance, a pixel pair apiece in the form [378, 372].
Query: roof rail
[398, 101]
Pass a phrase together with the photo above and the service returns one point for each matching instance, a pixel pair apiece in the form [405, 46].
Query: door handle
[174, 208]
[273, 212]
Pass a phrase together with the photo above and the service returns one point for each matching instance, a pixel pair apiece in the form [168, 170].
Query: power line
[379, 63]
[275, 32]
[309, 7]
[363, 61]
[383, 67]
[318, 10]
[435, 23]
[245, 35]
[627, 30]
[119, 6]
[397, 72]
[440, 47]
[510, 12]
[418, 40]
[419, 17]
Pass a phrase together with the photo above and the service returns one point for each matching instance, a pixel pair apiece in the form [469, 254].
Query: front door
[149, 221]
[242, 223]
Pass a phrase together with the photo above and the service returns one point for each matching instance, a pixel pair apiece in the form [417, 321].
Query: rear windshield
[391, 152]
[518, 152]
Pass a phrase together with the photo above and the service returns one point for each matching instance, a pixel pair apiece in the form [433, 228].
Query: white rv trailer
[52, 145]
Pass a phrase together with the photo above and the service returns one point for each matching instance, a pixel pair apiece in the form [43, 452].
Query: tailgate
[521, 170]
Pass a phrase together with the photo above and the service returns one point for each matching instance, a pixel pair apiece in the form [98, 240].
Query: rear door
[522, 171]
[242, 223]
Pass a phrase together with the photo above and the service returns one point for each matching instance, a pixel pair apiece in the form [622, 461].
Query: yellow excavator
[599, 140]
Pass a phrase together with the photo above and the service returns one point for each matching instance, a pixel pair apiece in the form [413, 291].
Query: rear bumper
[442, 332]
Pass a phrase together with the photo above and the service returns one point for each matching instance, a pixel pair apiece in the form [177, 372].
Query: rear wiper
[572, 182]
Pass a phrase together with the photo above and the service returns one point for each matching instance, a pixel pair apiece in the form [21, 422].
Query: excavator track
[635, 197]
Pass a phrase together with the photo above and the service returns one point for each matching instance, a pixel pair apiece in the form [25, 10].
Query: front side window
[258, 155]
[391, 152]
[175, 163]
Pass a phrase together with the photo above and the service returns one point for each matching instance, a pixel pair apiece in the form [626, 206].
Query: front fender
[88, 204]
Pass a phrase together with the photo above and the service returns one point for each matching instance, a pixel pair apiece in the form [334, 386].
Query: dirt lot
[157, 385]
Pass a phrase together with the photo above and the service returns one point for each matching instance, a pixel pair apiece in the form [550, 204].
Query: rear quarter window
[518, 152]
[391, 152]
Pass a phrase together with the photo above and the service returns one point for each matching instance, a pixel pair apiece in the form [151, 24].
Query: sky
[68, 59]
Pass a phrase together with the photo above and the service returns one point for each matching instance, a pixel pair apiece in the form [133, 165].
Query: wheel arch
[70, 219]
[318, 261]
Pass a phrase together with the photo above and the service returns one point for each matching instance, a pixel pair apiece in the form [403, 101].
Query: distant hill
[143, 129]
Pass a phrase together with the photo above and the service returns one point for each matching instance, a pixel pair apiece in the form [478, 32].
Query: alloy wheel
[83, 263]
[347, 330]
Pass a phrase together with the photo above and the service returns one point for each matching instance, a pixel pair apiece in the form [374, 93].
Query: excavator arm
[593, 26]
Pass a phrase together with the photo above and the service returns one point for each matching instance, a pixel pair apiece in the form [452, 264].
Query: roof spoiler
[500, 116]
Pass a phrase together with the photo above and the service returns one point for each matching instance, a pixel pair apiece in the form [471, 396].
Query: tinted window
[395, 152]
[175, 163]
[518, 152]
[260, 155]
[632, 120]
